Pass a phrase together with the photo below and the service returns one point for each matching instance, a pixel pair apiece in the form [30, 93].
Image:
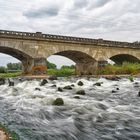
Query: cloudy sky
[107, 19]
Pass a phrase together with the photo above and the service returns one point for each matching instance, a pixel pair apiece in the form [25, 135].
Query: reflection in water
[100, 114]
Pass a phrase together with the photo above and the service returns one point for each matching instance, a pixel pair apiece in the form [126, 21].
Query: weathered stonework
[32, 49]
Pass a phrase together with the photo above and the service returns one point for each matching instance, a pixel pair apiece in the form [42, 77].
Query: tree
[50, 65]
[14, 66]
[3, 69]
[68, 67]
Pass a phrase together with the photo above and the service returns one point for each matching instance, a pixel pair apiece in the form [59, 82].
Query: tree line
[14, 67]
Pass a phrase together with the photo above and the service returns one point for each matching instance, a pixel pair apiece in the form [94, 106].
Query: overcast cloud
[107, 19]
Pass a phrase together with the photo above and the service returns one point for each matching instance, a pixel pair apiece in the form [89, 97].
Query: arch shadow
[76, 56]
[120, 58]
[14, 53]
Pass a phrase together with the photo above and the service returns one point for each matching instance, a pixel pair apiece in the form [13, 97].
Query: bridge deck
[46, 37]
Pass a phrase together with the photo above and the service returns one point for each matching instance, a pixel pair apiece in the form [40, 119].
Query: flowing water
[98, 115]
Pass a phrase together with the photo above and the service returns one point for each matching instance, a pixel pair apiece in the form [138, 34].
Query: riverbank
[6, 134]
[3, 135]
[120, 70]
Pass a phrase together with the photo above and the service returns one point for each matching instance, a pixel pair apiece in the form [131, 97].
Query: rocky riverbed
[71, 108]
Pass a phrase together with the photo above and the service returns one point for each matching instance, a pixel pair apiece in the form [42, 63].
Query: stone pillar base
[36, 66]
[86, 68]
[91, 68]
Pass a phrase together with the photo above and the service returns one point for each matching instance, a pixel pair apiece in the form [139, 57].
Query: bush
[61, 72]
[126, 68]
[3, 69]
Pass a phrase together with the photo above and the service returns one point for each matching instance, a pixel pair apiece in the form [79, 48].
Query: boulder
[102, 106]
[81, 92]
[2, 81]
[38, 89]
[53, 77]
[53, 86]
[76, 97]
[136, 85]
[11, 82]
[73, 85]
[60, 89]
[113, 78]
[68, 87]
[113, 91]
[117, 89]
[98, 84]
[43, 82]
[80, 83]
[139, 94]
[58, 102]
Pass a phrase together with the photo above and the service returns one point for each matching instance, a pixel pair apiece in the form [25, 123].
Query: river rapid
[107, 112]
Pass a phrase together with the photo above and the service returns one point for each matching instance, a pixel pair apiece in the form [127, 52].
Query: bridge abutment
[34, 66]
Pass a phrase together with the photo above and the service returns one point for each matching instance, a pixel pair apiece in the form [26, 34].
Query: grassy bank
[8, 75]
[126, 68]
[10, 134]
[61, 72]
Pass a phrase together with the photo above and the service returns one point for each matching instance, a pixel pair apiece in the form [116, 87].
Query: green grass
[126, 68]
[61, 72]
[8, 75]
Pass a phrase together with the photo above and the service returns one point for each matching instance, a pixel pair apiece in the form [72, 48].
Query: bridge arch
[25, 59]
[14, 53]
[120, 58]
[76, 56]
[85, 64]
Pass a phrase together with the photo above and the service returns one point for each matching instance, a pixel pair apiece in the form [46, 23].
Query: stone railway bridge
[32, 49]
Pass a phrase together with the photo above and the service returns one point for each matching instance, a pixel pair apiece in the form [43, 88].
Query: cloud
[80, 4]
[107, 19]
[42, 12]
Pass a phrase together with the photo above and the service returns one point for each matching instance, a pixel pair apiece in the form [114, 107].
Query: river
[107, 112]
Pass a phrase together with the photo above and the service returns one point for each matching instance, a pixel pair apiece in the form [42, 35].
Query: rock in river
[98, 83]
[60, 89]
[80, 83]
[43, 82]
[139, 94]
[38, 89]
[2, 81]
[58, 102]
[53, 77]
[81, 92]
[113, 78]
[11, 82]
[76, 97]
[67, 87]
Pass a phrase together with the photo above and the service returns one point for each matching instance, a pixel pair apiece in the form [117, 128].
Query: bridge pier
[34, 66]
[89, 68]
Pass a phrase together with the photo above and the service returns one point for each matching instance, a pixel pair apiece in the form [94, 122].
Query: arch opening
[121, 58]
[84, 63]
[76, 56]
[14, 53]
[25, 59]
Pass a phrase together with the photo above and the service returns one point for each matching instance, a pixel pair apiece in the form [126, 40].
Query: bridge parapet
[40, 36]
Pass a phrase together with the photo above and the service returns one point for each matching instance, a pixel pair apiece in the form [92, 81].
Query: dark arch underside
[14, 53]
[119, 59]
[76, 56]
